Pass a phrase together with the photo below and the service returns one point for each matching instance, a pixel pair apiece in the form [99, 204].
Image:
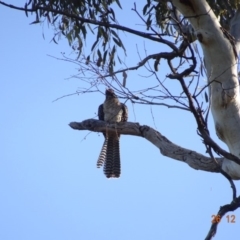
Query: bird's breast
[112, 111]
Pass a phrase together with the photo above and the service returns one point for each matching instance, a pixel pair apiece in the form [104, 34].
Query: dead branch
[167, 148]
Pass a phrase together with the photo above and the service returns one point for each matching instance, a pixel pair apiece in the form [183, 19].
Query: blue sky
[50, 187]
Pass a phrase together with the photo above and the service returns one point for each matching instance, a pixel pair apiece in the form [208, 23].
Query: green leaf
[28, 3]
[145, 9]
[84, 31]
[113, 14]
[156, 64]
[54, 40]
[26, 9]
[149, 22]
[119, 60]
[100, 31]
[112, 54]
[91, 13]
[89, 26]
[55, 19]
[201, 69]
[149, 11]
[95, 43]
[80, 44]
[87, 60]
[118, 3]
[110, 68]
[105, 56]
[114, 33]
[99, 54]
[105, 37]
[206, 97]
[69, 37]
[34, 22]
[117, 42]
[99, 62]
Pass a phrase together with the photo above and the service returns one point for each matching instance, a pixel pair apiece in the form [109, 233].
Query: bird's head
[110, 94]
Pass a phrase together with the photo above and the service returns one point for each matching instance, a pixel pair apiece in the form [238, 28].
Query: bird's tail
[103, 153]
[112, 166]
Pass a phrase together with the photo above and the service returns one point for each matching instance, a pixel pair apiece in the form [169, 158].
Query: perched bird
[111, 111]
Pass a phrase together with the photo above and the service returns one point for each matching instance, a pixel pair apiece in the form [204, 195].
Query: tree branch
[165, 55]
[235, 204]
[167, 148]
[95, 22]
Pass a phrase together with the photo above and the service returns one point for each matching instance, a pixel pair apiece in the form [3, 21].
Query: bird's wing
[124, 113]
[100, 112]
[102, 156]
[101, 115]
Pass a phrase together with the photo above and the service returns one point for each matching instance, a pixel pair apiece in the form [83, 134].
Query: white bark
[235, 29]
[221, 66]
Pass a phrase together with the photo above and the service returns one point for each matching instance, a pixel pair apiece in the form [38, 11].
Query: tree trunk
[221, 65]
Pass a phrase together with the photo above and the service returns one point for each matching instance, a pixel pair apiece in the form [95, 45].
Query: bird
[111, 111]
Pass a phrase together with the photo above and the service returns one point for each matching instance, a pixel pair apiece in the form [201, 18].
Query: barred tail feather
[103, 153]
[116, 170]
[112, 167]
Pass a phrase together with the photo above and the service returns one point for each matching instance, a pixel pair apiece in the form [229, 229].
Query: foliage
[77, 19]
[69, 17]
